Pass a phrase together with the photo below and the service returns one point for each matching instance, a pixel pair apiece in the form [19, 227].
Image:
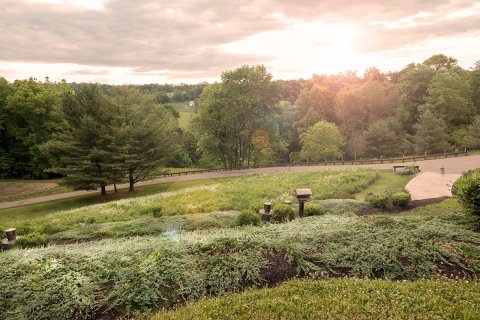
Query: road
[451, 165]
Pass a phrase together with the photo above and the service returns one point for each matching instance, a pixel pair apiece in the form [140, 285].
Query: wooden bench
[399, 167]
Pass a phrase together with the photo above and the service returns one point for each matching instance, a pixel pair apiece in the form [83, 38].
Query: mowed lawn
[11, 190]
[341, 299]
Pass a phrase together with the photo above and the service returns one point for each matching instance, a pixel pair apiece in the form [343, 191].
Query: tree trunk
[104, 190]
[131, 182]
[115, 187]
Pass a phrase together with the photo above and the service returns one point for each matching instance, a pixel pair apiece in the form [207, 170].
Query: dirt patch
[278, 269]
[107, 314]
[75, 241]
[392, 209]
[453, 271]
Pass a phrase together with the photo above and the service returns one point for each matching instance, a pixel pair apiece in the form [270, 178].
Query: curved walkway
[451, 165]
[429, 185]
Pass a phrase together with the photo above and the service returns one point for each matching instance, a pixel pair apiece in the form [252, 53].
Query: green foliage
[33, 240]
[144, 137]
[246, 218]
[143, 273]
[401, 199]
[379, 200]
[360, 299]
[314, 104]
[450, 98]
[384, 138]
[467, 190]
[431, 135]
[320, 142]
[472, 138]
[228, 194]
[313, 209]
[83, 149]
[233, 112]
[29, 116]
[283, 213]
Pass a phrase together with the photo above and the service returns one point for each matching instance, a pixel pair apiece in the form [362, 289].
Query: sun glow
[305, 48]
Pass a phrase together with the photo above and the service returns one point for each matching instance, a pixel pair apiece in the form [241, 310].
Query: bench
[399, 167]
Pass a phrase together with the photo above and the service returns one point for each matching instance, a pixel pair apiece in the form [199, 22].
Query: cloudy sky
[146, 41]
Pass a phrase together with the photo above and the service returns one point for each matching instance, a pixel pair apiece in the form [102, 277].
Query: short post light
[302, 195]
[8, 242]
[266, 212]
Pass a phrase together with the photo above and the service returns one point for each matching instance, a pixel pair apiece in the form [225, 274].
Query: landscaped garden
[139, 255]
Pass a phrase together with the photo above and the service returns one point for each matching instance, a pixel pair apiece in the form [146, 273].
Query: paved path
[451, 165]
[429, 185]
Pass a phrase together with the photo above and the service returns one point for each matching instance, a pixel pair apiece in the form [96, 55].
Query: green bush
[32, 240]
[467, 189]
[283, 213]
[140, 273]
[246, 218]
[401, 199]
[380, 201]
[313, 209]
[409, 170]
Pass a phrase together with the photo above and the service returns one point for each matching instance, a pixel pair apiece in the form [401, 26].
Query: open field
[216, 195]
[185, 111]
[38, 210]
[11, 190]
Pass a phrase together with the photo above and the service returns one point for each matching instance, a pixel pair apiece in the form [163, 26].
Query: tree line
[96, 135]
[430, 107]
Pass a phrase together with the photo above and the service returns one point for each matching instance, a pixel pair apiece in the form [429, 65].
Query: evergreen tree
[472, 137]
[145, 135]
[84, 148]
[384, 138]
[430, 136]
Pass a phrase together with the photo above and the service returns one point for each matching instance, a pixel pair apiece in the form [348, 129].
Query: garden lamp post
[302, 195]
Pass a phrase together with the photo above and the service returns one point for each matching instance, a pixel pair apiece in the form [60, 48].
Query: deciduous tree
[322, 141]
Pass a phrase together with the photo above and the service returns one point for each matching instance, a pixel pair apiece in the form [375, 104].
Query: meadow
[243, 193]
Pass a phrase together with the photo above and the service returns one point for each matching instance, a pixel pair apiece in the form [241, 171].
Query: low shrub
[123, 276]
[467, 189]
[33, 240]
[313, 209]
[380, 201]
[283, 213]
[401, 199]
[246, 218]
[409, 170]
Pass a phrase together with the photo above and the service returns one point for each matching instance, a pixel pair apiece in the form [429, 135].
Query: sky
[191, 41]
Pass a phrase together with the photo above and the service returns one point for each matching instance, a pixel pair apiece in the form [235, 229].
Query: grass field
[237, 193]
[11, 190]
[341, 299]
[8, 216]
[185, 111]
